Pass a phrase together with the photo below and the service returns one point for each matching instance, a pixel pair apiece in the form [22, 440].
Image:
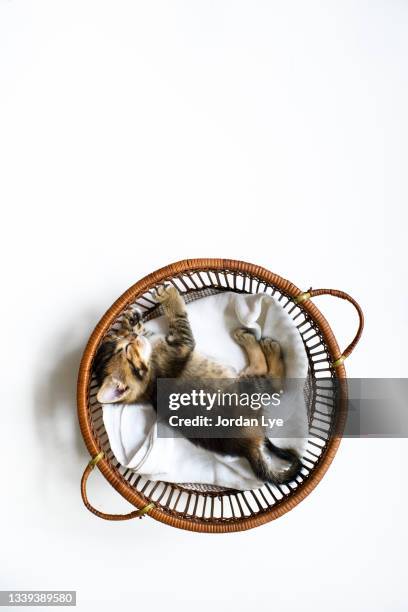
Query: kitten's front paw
[135, 316]
[163, 293]
[170, 298]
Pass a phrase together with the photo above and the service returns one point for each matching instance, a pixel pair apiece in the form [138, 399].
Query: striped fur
[127, 367]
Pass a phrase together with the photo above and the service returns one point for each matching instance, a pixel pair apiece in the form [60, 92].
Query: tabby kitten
[128, 365]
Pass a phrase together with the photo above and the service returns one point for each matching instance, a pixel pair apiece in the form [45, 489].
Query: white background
[134, 134]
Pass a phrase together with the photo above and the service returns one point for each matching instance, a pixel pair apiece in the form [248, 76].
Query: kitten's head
[122, 368]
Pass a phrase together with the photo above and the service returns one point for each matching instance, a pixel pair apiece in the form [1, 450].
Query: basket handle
[103, 515]
[344, 296]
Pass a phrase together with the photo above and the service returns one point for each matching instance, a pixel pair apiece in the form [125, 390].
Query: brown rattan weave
[210, 509]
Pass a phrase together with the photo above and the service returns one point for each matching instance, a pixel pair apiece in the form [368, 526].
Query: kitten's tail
[261, 457]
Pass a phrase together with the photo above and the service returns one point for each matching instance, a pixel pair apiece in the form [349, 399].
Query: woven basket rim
[160, 275]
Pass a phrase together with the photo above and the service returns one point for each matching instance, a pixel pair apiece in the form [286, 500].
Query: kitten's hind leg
[257, 365]
[273, 355]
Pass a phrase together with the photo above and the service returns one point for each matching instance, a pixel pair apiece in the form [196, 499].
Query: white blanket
[132, 429]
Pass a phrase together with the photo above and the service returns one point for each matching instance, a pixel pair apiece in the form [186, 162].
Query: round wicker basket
[207, 508]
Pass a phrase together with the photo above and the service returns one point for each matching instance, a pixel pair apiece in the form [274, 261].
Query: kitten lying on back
[128, 365]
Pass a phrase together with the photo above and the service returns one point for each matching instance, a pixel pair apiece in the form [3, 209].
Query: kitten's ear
[111, 391]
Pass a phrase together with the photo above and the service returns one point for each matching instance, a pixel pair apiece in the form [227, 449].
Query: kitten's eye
[138, 372]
